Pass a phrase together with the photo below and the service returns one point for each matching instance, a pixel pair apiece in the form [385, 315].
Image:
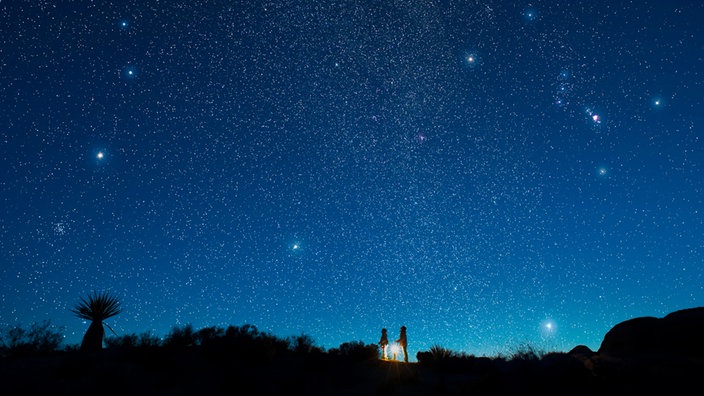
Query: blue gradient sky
[488, 174]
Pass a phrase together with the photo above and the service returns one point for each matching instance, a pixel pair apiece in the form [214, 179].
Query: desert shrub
[249, 335]
[245, 331]
[181, 337]
[424, 357]
[143, 340]
[210, 336]
[125, 341]
[38, 339]
[276, 345]
[243, 342]
[72, 347]
[527, 353]
[147, 339]
[451, 361]
[302, 344]
[438, 353]
[356, 351]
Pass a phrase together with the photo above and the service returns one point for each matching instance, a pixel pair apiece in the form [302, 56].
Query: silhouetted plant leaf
[97, 307]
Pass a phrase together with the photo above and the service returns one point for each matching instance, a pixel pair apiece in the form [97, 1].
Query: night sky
[489, 174]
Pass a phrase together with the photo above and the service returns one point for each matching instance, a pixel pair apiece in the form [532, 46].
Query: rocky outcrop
[680, 333]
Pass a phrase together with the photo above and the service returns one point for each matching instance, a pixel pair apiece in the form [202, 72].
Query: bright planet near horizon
[466, 169]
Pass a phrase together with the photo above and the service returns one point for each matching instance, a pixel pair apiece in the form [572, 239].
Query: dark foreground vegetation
[639, 356]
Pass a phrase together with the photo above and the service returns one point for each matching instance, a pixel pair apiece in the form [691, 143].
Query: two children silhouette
[402, 343]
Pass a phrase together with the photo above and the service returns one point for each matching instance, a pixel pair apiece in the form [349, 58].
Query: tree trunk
[93, 339]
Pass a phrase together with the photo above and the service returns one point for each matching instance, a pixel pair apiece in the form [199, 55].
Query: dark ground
[194, 372]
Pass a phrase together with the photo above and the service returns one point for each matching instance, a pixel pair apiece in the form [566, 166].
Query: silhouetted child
[403, 343]
[384, 343]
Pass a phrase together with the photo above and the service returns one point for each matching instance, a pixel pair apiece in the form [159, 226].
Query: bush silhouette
[439, 353]
[143, 340]
[40, 338]
[181, 337]
[302, 344]
[356, 351]
[526, 353]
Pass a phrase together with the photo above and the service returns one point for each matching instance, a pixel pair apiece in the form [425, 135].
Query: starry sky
[490, 174]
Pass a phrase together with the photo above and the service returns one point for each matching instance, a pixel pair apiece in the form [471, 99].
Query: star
[530, 14]
[99, 157]
[593, 116]
[657, 102]
[564, 88]
[129, 72]
[548, 327]
[471, 59]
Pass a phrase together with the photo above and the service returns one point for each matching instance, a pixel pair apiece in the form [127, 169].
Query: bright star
[530, 14]
[548, 327]
[657, 102]
[99, 157]
[129, 72]
[593, 116]
[471, 59]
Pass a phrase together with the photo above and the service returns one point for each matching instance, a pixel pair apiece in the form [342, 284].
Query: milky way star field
[489, 174]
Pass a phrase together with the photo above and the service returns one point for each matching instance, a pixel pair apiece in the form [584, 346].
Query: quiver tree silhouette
[96, 308]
